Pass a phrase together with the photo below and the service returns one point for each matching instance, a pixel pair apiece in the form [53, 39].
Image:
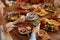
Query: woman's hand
[36, 29]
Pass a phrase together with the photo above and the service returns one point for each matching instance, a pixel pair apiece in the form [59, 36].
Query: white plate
[24, 32]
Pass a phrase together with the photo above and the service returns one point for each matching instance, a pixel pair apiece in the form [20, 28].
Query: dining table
[17, 36]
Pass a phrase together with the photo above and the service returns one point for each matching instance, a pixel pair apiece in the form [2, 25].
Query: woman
[3, 29]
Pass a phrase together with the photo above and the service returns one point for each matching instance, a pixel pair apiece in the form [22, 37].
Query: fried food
[24, 12]
[43, 12]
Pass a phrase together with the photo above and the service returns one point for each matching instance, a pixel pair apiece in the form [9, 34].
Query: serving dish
[24, 30]
[50, 25]
[42, 12]
[31, 16]
[26, 6]
[11, 16]
[25, 27]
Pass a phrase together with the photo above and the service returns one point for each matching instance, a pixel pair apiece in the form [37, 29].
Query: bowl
[32, 16]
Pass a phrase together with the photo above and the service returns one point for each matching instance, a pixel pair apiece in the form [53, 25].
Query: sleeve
[33, 36]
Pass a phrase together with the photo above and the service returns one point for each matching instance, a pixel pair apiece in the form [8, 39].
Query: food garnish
[35, 23]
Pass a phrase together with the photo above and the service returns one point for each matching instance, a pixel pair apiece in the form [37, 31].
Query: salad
[49, 25]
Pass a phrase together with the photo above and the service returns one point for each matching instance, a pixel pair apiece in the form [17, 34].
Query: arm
[33, 36]
[35, 30]
[5, 34]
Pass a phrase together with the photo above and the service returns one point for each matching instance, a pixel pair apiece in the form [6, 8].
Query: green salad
[14, 17]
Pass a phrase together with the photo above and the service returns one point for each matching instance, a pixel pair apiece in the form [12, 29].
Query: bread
[56, 23]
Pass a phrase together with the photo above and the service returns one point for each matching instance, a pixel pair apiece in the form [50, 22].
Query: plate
[42, 13]
[26, 6]
[25, 32]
